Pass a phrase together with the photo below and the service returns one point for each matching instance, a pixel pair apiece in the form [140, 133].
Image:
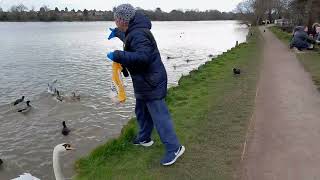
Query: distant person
[317, 37]
[316, 27]
[301, 39]
[142, 59]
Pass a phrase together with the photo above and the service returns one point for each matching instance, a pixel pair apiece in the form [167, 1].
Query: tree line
[297, 12]
[22, 13]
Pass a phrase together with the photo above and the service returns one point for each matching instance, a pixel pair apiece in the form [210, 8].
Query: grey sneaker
[145, 143]
[171, 158]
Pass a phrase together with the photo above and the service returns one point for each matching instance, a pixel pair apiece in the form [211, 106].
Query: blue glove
[113, 33]
[110, 56]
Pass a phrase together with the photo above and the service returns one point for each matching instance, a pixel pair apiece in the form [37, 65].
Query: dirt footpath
[285, 140]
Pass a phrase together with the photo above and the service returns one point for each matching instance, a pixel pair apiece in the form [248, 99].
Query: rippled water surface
[33, 54]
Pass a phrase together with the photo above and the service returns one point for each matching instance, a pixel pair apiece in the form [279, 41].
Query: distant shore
[20, 13]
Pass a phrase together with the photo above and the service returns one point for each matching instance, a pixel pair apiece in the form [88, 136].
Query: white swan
[56, 163]
[26, 176]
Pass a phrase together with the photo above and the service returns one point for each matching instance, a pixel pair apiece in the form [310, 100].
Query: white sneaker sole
[146, 144]
[175, 159]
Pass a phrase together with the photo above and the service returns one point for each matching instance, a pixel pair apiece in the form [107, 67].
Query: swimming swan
[56, 164]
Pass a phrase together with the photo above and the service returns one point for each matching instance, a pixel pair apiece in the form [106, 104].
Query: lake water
[33, 54]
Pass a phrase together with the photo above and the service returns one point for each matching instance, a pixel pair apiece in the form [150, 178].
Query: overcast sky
[166, 5]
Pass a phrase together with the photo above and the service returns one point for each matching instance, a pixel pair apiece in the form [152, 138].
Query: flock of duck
[65, 130]
[55, 92]
[22, 106]
[236, 71]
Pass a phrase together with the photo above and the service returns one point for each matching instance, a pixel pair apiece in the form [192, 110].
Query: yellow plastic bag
[118, 92]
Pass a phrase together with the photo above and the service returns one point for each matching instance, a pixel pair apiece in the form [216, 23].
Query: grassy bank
[311, 62]
[310, 59]
[283, 36]
[211, 109]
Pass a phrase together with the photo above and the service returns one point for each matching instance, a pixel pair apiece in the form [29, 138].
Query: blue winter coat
[142, 59]
[317, 37]
[300, 39]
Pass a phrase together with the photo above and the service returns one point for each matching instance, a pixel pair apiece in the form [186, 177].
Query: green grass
[211, 109]
[311, 62]
[310, 59]
[283, 36]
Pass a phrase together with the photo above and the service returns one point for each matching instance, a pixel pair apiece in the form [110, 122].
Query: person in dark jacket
[300, 39]
[318, 36]
[142, 59]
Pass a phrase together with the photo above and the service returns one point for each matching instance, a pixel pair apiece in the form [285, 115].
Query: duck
[57, 169]
[174, 66]
[236, 71]
[26, 108]
[59, 97]
[75, 97]
[18, 101]
[65, 130]
[51, 88]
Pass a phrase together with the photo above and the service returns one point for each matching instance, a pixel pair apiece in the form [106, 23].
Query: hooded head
[299, 28]
[123, 14]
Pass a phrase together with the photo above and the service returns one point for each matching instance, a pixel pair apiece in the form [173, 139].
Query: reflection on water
[33, 54]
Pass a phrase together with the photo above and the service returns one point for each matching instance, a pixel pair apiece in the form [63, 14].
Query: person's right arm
[116, 33]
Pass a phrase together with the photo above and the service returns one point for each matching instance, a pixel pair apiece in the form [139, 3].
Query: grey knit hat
[124, 12]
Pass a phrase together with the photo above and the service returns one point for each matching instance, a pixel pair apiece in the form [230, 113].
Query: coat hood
[139, 21]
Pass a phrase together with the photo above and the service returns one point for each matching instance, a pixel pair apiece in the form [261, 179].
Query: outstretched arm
[116, 33]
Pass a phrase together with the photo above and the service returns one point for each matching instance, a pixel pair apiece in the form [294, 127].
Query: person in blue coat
[142, 59]
[300, 39]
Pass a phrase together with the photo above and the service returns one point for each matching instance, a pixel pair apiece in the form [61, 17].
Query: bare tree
[245, 10]
[44, 9]
[21, 8]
